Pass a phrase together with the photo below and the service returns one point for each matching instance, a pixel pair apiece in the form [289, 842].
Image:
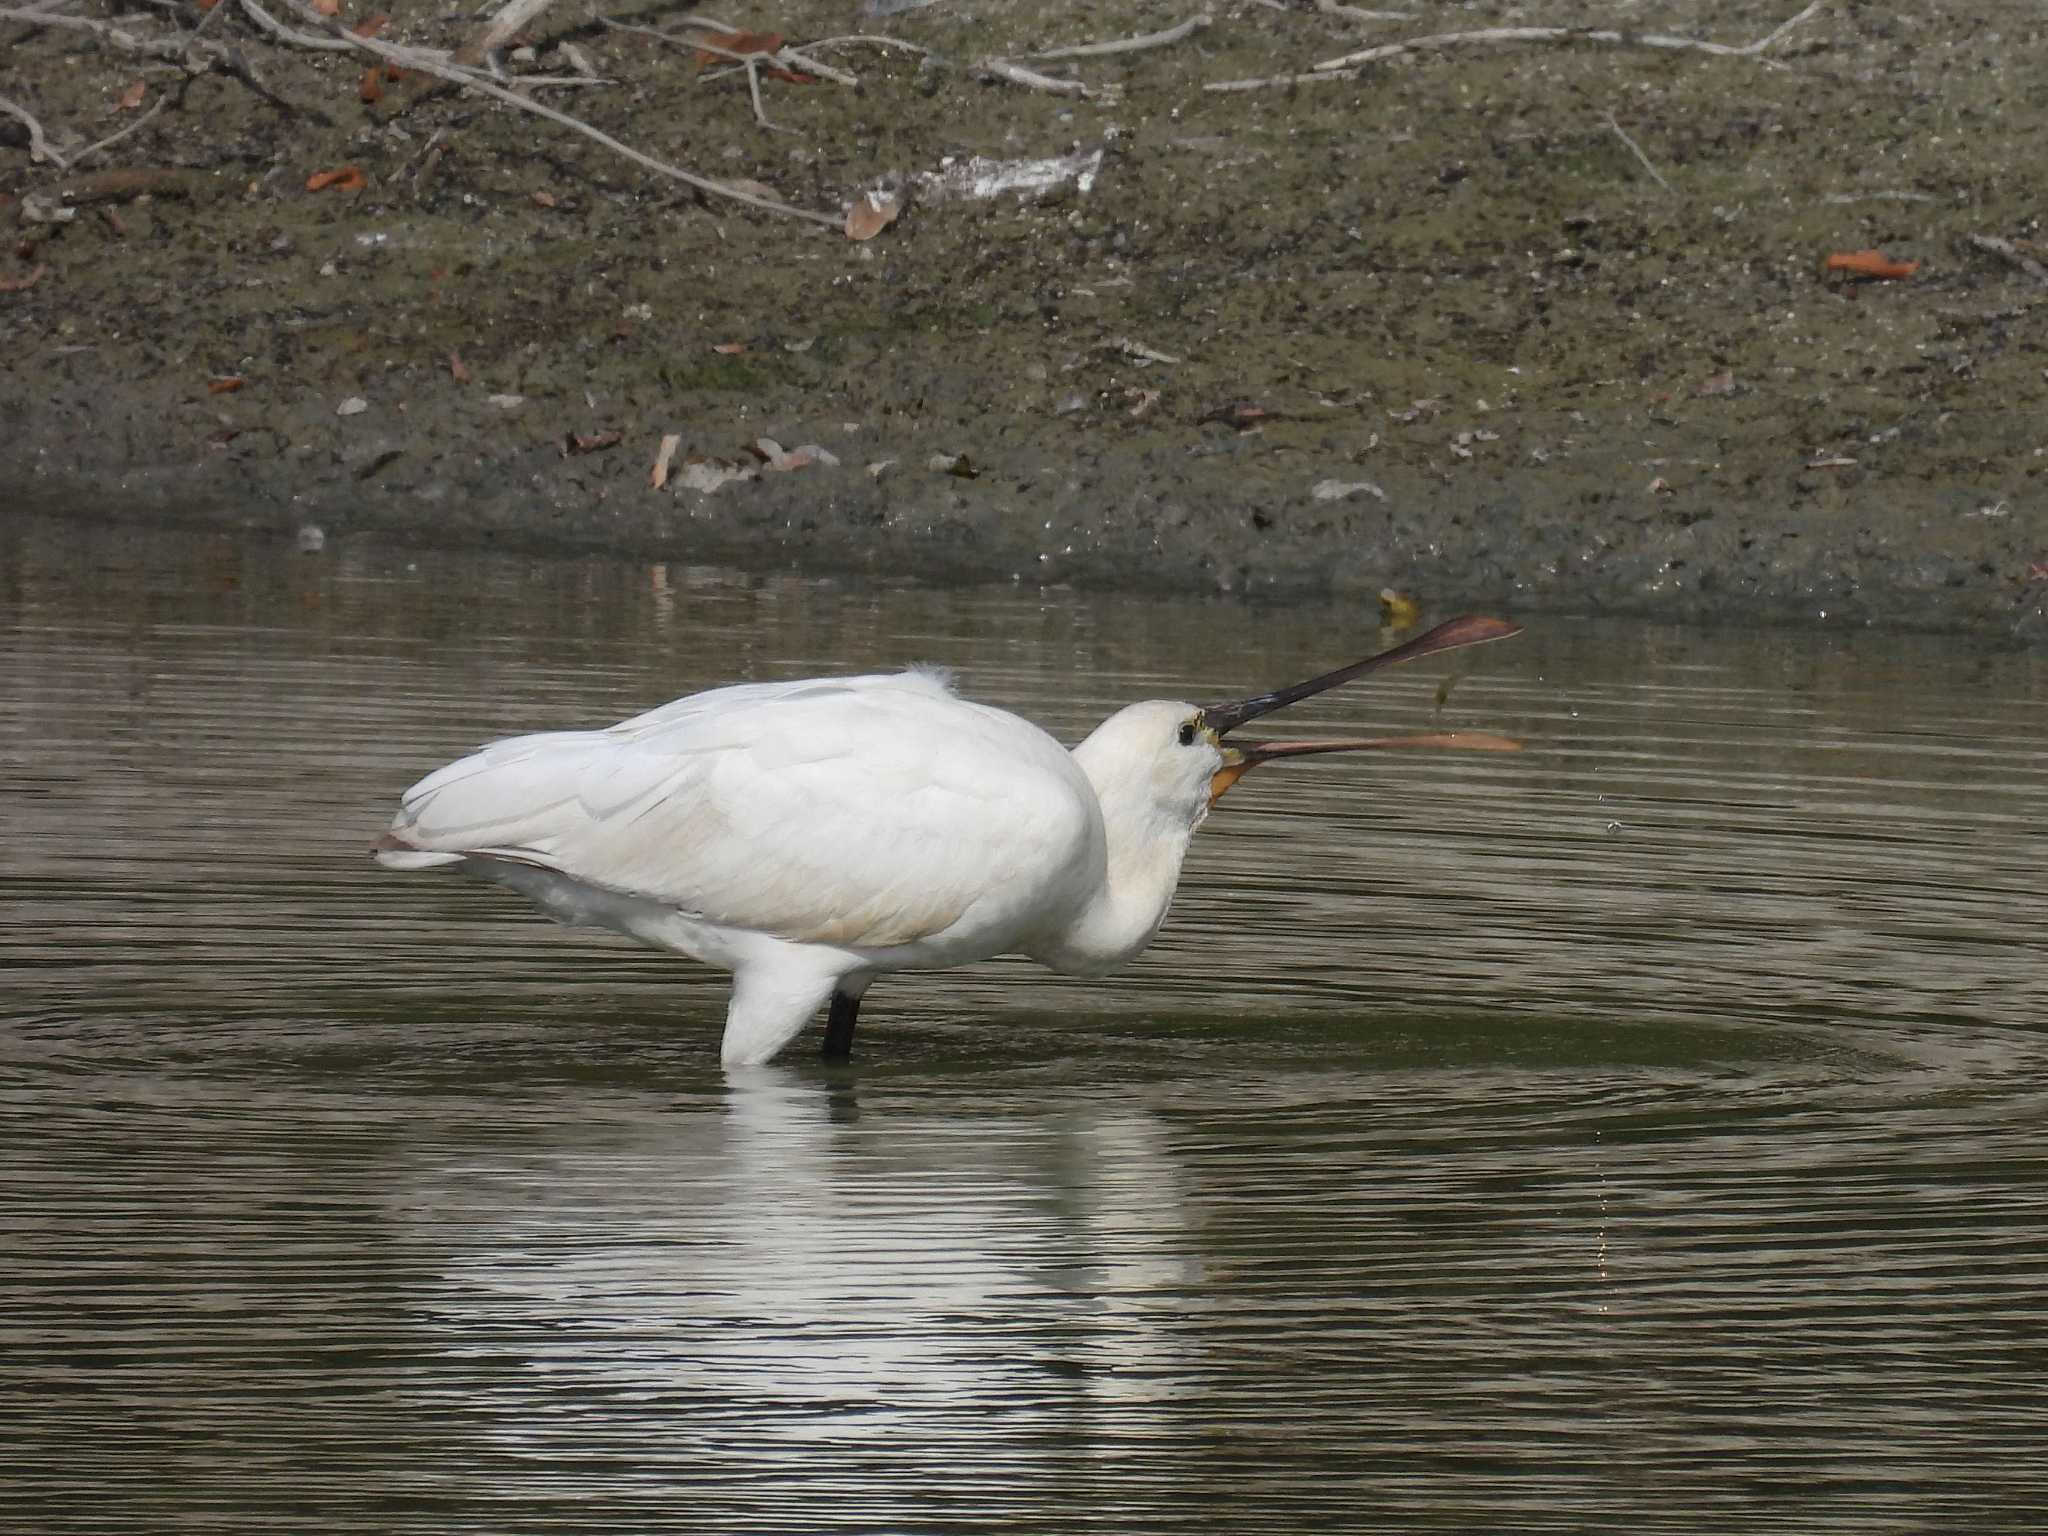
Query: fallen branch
[442, 68]
[1635, 149]
[38, 146]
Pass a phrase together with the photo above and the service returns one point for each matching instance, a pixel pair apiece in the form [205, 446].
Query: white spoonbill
[809, 836]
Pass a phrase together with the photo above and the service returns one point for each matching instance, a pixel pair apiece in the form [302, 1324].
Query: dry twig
[1348, 65]
[38, 146]
[1031, 79]
[1187, 28]
[1635, 149]
[2005, 250]
[114, 138]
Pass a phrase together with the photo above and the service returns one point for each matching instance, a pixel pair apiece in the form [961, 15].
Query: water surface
[1639, 1134]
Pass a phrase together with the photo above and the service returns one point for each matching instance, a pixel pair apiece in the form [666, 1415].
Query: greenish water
[1639, 1134]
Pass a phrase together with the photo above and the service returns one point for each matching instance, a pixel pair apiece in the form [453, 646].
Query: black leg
[839, 1027]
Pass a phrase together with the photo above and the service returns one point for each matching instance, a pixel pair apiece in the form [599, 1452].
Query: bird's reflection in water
[751, 1270]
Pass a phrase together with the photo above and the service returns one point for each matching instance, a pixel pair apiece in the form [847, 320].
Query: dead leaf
[370, 25]
[871, 213]
[1872, 264]
[26, 281]
[224, 386]
[544, 200]
[729, 348]
[456, 371]
[371, 87]
[589, 442]
[728, 43]
[658, 477]
[133, 97]
[348, 179]
[327, 7]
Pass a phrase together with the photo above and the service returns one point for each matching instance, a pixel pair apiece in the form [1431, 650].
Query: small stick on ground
[2005, 250]
[1353, 13]
[1635, 149]
[1031, 79]
[135, 127]
[38, 146]
[1187, 28]
[1569, 35]
[1348, 66]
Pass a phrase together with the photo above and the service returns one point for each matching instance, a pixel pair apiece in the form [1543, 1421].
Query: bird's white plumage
[882, 818]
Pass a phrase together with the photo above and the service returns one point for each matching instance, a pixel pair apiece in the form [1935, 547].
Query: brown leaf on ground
[371, 87]
[133, 97]
[1873, 264]
[27, 280]
[326, 7]
[370, 25]
[544, 200]
[736, 42]
[348, 179]
[871, 213]
[589, 442]
[729, 348]
[226, 385]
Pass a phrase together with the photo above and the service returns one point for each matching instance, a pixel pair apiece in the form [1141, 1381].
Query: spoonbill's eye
[1187, 733]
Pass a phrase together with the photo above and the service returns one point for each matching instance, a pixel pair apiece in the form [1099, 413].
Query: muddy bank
[1541, 325]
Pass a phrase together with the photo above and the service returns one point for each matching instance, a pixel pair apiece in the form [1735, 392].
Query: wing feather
[865, 812]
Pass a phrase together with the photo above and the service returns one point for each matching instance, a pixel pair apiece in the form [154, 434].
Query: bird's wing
[863, 812]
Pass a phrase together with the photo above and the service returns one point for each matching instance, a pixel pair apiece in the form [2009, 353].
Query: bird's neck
[1143, 846]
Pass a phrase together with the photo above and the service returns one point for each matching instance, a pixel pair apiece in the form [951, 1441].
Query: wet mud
[1541, 324]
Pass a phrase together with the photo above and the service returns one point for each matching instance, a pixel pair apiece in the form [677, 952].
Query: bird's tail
[394, 852]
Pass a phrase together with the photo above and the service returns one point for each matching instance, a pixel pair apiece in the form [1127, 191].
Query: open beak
[1239, 758]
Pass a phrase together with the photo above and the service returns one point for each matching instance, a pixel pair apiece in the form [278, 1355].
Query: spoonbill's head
[1181, 758]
